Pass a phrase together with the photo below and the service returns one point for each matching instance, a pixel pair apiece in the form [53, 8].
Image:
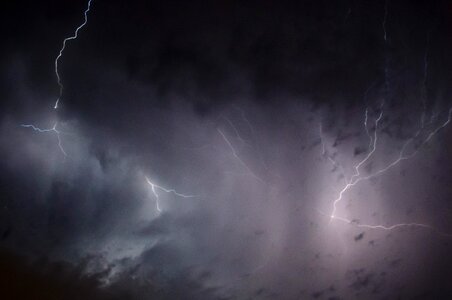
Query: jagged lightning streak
[366, 113]
[353, 179]
[234, 153]
[401, 225]
[374, 145]
[154, 188]
[366, 118]
[237, 133]
[60, 54]
[53, 129]
[243, 115]
[356, 178]
[252, 131]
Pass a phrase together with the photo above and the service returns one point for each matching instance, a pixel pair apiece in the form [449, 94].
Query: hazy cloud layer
[257, 112]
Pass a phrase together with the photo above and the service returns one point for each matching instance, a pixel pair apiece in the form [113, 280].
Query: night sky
[226, 150]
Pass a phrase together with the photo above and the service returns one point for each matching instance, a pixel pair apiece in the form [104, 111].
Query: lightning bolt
[366, 118]
[243, 115]
[237, 133]
[395, 226]
[53, 129]
[155, 187]
[60, 54]
[57, 59]
[234, 153]
[252, 131]
[356, 178]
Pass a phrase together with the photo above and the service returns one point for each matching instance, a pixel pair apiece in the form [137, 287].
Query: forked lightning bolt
[60, 54]
[234, 153]
[57, 59]
[243, 115]
[155, 187]
[237, 133]
[53, 129]
[356, 177]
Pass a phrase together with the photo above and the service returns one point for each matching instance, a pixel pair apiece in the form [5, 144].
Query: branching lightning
[237, 133]
[357, 177]
[401, 225]
[234, 153]
[60, 54]
[155, 187]
[53, 129]
[373, 139]
[243, 116]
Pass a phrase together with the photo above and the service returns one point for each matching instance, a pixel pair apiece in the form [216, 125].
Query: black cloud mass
[226, 150]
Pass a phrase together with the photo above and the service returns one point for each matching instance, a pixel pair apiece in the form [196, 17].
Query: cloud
[225, 106]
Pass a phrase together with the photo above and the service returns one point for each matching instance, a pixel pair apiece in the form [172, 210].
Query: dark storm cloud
[223, 101]
[44, 280]
[49, 280]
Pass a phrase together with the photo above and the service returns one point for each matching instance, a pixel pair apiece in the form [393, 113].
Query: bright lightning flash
[357, 177]
[53, 129]
[155, 187]
[60, 54]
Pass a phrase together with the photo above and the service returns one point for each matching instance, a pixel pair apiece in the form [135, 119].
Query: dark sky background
[224, 101]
